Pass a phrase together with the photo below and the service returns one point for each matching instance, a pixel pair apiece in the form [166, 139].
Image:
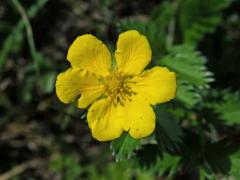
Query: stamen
[117, 88]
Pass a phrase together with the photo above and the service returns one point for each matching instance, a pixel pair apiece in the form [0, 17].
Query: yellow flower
[120, 92]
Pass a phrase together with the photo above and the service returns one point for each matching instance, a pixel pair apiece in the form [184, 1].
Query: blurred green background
[41, 138]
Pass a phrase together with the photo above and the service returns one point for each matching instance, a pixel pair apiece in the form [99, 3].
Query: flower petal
[104, 120]
[156, 85]
[141, 118]
[87, 52]
[74, 82]
[88, 97]
[133, 52]
[107, 121]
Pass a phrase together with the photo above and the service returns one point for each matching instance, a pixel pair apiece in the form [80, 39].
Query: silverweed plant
[163, 103]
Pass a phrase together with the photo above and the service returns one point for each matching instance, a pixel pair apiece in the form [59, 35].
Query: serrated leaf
[206, 174]
[147, 156]
[168, 163]
[191, 150]
[199, 17]
[124, 147]
[151, 158]
[200, 151]
[229, 108]
[217, 156]
[189, 65]
[168, 132]
[187, 94]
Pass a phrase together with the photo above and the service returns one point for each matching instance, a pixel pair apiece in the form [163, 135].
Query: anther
[116, 87]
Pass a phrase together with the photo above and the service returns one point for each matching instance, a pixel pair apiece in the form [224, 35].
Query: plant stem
[171, 27]
[29, 32]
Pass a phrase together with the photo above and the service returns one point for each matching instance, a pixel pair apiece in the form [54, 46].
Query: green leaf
[191, 150]
[187, 94]
[151, 159]
[217, 156]
[198, 150]
[189, 65]
[168, 132]
[205, 174]
[198, 17]
[168, 163]
[147, 156]
[229, 108]
[124, 146]
[235, 160]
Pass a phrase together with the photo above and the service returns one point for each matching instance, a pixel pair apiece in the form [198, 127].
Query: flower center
[114, 84]
[117, 87]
